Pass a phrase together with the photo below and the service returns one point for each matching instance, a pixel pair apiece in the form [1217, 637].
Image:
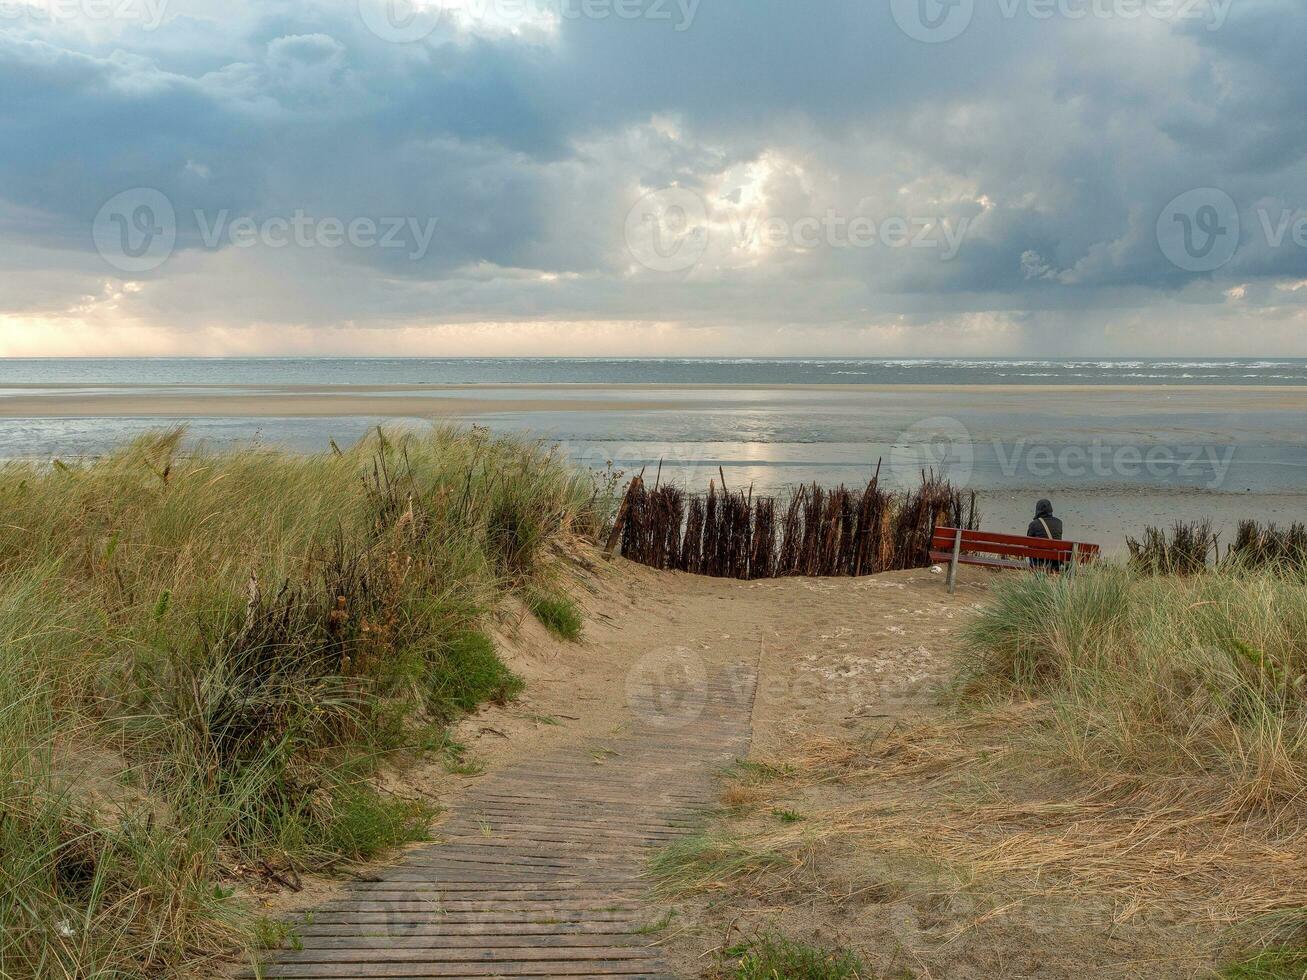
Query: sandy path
[614, 747]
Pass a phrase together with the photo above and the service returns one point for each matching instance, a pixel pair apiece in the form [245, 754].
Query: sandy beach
[235, 401]
[306, 401]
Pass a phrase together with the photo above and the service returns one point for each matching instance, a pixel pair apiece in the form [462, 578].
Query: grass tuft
[468, 672]
[773, 957]
[1270, 964]
[560, 615]
[364, 823]
[705, 862]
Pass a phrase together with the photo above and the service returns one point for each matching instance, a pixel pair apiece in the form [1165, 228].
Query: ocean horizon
[1176, 438]
[327, 370]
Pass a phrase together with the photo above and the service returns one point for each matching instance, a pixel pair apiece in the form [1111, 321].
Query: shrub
[1266, 546]
[1183, 550]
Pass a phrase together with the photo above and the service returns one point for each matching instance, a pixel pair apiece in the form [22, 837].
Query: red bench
[957, 546]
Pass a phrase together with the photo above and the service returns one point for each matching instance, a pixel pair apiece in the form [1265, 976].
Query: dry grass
[964, 795]
[1128, 748]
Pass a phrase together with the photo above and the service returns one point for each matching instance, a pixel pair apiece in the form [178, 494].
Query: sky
[646, 177]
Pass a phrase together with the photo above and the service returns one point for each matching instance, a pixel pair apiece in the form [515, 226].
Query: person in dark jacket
[1045, 525]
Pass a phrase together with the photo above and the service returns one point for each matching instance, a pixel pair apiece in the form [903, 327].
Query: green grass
[657, 925]
[364, 823]
[772, 957]
[203, 656]
[453, 754]
[560, 615]
[467, 672]
[1202, 677]
[1271, 964]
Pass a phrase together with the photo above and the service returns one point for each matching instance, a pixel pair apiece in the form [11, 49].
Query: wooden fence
[816, 531]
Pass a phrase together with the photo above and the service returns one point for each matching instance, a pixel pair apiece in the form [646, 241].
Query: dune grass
[1270, 964]
[202, 658]
[1179, 699]
[1201, 679]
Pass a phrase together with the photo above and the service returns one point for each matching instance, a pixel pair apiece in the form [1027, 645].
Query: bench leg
[953, 563]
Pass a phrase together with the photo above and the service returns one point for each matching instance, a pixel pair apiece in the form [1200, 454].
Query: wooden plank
[472, 954]
[513, 940]
[537, 872]
[1023, 551]
[457, 932]
[424, 971]
[1035, 548]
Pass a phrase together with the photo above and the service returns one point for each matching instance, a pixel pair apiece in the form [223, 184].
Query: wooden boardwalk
[537, 872]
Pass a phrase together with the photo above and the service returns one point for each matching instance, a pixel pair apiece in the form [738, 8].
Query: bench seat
[992, 550]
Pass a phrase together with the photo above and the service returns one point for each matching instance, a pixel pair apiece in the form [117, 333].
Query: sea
[1115, 462]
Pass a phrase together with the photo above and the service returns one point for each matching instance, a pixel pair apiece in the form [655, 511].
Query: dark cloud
[1051, 146]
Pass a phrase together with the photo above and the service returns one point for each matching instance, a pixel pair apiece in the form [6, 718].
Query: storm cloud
[653, 176]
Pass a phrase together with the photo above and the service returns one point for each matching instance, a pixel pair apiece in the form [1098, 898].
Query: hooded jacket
[1044, 509]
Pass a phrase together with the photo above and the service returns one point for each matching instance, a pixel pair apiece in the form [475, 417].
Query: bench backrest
[1015, 545]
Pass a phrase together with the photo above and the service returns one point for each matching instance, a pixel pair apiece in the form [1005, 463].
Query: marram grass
[1200, 678]
[202, 656]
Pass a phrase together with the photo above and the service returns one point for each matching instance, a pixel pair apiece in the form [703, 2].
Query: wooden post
[953, 564]
[1075, 559]
[615, 535]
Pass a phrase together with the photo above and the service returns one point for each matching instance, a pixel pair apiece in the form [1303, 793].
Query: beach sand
[289, 401]
[229, 401]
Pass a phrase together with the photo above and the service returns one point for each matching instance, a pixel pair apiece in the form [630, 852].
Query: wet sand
[237, 402]
[418, 401]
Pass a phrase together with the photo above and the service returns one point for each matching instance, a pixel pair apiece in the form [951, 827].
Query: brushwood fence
[1192, 547]
[815, 531]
